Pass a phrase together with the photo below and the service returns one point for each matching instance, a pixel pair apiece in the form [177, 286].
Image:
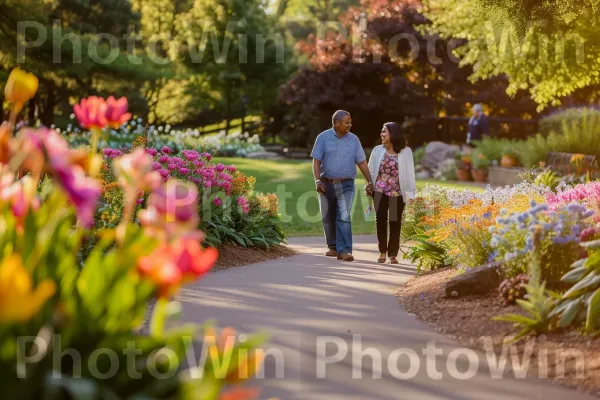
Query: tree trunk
[47, 115]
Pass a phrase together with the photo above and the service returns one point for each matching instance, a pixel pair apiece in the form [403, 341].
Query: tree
[379, 78]
[78, 65]
[549, 48]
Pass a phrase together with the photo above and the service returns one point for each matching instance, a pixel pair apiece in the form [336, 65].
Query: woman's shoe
[393, 260]
[381, 260]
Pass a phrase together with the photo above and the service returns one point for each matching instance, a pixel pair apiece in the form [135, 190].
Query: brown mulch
[231, 255]
[468, 319]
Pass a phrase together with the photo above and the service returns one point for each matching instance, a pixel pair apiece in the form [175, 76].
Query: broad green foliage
[580, 305]
[550, 64]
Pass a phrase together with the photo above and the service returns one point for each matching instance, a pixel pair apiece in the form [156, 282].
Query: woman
[393, 172]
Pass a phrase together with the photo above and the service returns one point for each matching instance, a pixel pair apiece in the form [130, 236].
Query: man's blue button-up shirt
[338, 156]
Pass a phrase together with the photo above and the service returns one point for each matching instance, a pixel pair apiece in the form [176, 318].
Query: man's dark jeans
[336, 209]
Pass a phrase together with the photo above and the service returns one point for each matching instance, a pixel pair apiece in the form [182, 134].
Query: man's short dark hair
[338, 116]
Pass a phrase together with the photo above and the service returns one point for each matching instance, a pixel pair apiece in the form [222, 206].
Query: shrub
[513, 289]
[578, 134]
[493, 149]
[229, 210]
[480, 161]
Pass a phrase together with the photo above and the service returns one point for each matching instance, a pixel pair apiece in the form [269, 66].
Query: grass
[292, 181]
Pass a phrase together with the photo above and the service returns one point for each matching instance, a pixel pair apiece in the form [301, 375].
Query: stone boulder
[436, 153]
[480, 280]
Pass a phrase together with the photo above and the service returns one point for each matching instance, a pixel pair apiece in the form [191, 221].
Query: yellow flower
[18, 301]
[577, 157]
[20, 87]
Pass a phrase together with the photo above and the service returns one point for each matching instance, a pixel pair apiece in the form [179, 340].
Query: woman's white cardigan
[406, 170]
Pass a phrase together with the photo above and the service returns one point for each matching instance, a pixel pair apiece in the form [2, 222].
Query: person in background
[479, 125]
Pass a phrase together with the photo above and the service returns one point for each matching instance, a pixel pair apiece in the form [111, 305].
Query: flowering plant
[55, 297]
[560, 232]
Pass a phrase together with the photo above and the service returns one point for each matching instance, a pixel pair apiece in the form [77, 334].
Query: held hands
[320, 187]
[369, 189]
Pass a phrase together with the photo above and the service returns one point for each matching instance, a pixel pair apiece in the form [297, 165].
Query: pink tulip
[134, 171]
[116, 112]
[91, 112]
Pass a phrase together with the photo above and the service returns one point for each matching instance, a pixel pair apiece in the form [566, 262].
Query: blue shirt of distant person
[479, 125]
[336, 153]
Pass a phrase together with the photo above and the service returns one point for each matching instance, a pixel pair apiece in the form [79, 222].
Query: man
[335, 155]
[479, 125]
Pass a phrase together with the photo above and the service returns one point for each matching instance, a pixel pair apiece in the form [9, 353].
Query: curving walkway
[307, 297]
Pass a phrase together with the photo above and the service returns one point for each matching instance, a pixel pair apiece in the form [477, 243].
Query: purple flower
[217, 202]
[190, 155]
[184, 171]
[219, 167]
[152, 151]
[164, 158]
[166, 150]
[156, 166]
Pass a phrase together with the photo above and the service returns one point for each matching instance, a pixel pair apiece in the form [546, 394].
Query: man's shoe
[331, 253]
[345, 257]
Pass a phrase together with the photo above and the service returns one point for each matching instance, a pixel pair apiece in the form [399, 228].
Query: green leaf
[590, 281]
[592, 322]
[594, 244]
[571, 312]
[575, 275]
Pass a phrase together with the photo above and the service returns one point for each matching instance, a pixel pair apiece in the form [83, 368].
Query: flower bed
[535, 234]
[119, 137]
[64, 285]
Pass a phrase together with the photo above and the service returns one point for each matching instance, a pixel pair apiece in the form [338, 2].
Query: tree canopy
[548, 48]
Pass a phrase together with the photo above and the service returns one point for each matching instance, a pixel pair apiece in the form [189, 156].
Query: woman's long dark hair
[397, 137]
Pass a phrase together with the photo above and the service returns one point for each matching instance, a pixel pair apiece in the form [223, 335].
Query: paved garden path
[309, 296]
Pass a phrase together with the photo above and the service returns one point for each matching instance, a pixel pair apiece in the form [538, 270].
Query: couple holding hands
[390, 175]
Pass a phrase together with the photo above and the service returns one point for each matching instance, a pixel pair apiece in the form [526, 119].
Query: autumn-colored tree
[388, 71]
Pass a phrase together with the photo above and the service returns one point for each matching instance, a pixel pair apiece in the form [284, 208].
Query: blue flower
[487, 215]
[589, 213]
[494, 242]
[537, 209]
[532, 203]
[503, 211]
[576, 208]
[492, 256]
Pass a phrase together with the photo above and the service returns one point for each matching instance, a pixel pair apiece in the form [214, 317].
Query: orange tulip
[20, 87]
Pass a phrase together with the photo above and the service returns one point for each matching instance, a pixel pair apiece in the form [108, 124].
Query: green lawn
[293, 183]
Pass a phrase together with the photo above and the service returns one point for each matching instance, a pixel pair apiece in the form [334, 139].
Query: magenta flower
[196, 180]
[164, 173]
[172, 166]
[231, 168]
[184, 171]
[82, 191]
[207, 156]
[152, 151]
[164, 159]
[198, 163]
[191, 155]
[219, 167]
[207, 184]
[166, 150]
[217, 202]
[156, 166]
